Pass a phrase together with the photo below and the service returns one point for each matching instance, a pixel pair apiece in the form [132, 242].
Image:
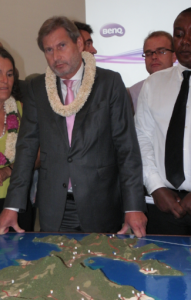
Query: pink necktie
[69, 120]
[68, 100]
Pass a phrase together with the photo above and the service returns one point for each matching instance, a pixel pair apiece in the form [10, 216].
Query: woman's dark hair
[15, 90]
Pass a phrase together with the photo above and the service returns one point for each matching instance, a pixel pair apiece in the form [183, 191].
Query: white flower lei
[84, 91]
[11, 107]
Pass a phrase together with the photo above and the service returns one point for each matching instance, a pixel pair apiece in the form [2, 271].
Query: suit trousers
[165, 223]
[70, 221]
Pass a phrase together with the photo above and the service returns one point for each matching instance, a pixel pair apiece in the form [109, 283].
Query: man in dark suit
[89, 179]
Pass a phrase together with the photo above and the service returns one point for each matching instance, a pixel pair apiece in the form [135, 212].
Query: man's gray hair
[54, 23]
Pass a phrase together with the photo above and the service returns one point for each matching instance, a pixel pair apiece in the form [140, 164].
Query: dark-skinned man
[163, 126]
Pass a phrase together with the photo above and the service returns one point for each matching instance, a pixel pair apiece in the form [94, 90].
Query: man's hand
[137, 221]
[168, 201]
[186, 203]
[8, 218]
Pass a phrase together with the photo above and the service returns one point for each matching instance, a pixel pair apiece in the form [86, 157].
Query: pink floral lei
[12, 129]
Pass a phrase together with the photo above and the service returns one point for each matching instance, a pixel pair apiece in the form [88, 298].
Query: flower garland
[11, 111]
[84, 91]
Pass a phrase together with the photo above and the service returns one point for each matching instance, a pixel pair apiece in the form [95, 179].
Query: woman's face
[6, 78]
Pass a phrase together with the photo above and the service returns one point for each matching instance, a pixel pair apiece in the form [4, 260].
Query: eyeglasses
[159, 52]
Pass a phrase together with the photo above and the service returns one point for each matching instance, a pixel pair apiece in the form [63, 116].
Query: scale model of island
[66, 275]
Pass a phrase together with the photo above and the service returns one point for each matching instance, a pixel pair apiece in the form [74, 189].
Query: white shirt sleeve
[145, 127]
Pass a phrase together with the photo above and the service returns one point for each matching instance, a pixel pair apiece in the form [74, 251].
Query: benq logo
[110, 30]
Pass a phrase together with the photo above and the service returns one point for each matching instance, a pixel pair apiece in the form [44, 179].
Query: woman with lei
[10, 115]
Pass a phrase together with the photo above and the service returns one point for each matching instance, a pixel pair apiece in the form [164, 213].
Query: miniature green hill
[63, 275]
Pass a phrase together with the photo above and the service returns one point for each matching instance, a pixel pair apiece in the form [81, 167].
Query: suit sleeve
[26, 152]
[126, 144]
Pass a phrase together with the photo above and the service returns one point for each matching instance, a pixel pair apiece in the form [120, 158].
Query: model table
[178, 255]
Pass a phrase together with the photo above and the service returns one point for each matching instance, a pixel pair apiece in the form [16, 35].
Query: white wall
[138, 18]
[20, 21]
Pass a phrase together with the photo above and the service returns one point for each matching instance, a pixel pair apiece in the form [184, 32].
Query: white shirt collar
[76, 84]
[181, 68]
[78, 75]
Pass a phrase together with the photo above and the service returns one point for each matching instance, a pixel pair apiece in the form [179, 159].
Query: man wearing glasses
[159, 55]
[163, 127]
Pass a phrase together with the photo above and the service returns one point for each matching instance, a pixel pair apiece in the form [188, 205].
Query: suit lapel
[80, 116]
[61, 121]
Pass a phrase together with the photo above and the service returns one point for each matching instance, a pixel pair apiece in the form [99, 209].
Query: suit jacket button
[64, 185]
[69, 159]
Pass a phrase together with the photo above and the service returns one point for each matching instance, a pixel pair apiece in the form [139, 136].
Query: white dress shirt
[155, 106]
[76, 84]
[135, 91]
[75, 88]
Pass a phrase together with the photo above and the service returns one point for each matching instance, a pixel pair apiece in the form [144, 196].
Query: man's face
[182, 39]
[88, 42]
[156, 62]
[62, 54]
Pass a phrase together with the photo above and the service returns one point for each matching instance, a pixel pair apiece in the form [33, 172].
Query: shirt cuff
[132, 211]
[11, 208]
[149, 200]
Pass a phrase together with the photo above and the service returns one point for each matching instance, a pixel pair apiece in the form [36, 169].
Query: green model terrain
[63, 275]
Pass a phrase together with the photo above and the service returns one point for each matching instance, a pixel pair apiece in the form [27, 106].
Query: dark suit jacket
[23, 89]
[104, 161]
